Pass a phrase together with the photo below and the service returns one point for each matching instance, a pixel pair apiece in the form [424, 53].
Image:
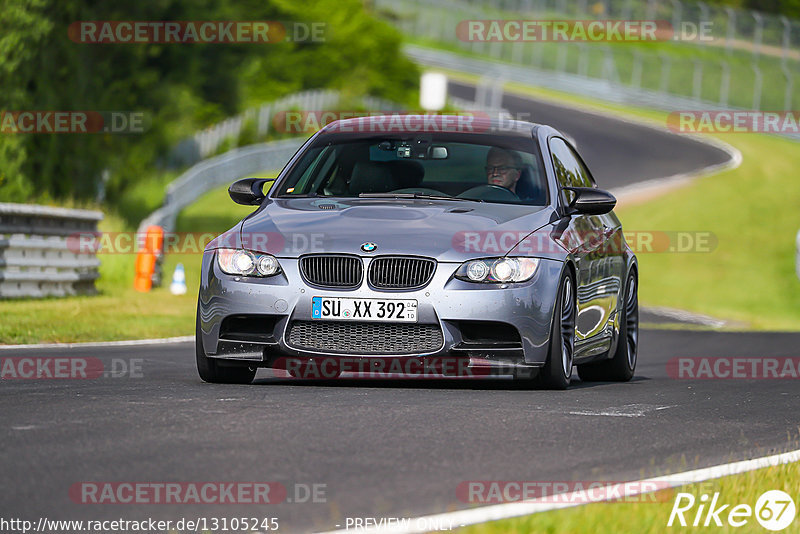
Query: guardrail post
[797, 259]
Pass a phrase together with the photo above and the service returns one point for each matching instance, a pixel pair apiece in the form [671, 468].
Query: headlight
[498, 270]
[246, 263]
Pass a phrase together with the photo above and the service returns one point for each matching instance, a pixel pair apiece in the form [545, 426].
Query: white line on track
[569, 500]
[684, 316]
[629, 410]
[126, 343]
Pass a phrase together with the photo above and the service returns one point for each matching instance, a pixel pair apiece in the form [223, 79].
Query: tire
[622, 365]
[211, 371]
[557, 371]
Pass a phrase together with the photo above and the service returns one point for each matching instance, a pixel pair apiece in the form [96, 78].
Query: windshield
[491, 169]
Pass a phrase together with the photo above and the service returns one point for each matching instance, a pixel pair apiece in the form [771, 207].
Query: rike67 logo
[774, 510]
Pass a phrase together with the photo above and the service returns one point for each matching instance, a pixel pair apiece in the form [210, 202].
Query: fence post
[731, 33]
[787, 37]
[263, 121]
[582, 60]
[636, 73]
[582, 9]
[666, 63]
[697, 79]
[703, 19]
[787, 96]
[650, 13]
[561, 58]
[480, 92]
[757, 84]
[609, 67]
[725, 84]
[677, 17]
[757, 38]
[527, 6]
[627, 10]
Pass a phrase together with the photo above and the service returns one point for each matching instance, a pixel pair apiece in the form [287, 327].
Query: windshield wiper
[416, 196]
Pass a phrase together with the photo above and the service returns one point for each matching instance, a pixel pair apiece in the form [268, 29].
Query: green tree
[180, 87]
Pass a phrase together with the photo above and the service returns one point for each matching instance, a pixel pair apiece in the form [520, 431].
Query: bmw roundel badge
[368, 247]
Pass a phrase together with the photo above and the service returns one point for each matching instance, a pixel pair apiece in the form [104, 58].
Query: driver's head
[503, 167]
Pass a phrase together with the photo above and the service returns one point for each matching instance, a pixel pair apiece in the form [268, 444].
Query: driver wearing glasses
[503, 168]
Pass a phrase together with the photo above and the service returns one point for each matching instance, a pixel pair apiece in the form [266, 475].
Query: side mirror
[249, 191]
[591, 201]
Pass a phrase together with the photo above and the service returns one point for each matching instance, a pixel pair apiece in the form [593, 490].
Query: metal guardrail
[751, 60]
[215, 172]
[37, 258]
[207, 142]
[498, 73]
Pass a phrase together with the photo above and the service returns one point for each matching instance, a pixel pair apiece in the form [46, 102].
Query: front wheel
[621, 366]
[558, 369]
[210, 370]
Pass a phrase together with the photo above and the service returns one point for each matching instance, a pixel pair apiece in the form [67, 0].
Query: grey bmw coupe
[446, 245]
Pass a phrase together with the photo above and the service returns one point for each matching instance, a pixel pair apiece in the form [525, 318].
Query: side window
[311, 161]
[570, 172]
[585, 174]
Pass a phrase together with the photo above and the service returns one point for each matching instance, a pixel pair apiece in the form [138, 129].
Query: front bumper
[451, 305]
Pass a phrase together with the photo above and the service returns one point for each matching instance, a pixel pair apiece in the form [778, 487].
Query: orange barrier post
[146, 258]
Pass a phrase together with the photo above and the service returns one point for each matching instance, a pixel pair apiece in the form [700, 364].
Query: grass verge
[650, 514]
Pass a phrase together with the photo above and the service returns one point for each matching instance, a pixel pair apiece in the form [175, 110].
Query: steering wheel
[489, 192]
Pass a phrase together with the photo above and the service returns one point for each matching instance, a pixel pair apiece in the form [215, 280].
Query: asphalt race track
[390, 448]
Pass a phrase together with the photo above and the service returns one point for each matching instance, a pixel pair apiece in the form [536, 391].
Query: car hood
[445, 230]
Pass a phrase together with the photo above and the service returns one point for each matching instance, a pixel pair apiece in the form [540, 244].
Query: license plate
[347, 309]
